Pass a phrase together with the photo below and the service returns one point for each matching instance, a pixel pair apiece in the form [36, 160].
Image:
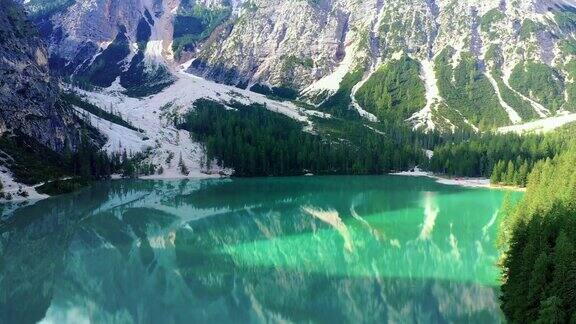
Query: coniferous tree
[480, 155]
[182, 166]
[523, 174]
[496, 176]
[256, 142]
[540, 238]
[551, 311]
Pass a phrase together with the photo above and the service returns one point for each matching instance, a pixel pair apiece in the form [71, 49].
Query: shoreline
[458, 181]
[462, 182]
[34, 196]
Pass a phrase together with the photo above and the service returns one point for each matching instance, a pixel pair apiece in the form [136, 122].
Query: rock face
[28, 94]
[480, 63]
[282, 43]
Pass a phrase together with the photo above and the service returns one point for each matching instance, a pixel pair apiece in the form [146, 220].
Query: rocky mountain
[29, 102]
[438, 64]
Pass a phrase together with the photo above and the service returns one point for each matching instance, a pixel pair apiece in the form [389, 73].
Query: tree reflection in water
[253, 250]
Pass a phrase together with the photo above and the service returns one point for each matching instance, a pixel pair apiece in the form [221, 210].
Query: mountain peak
[316, 49]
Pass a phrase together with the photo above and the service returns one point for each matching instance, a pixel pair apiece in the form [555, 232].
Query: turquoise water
[309, 249]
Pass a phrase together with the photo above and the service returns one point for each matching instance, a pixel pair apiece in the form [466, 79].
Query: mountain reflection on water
[318, 249]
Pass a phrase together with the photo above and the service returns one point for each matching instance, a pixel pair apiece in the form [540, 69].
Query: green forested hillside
[495, 60]
[467, 90]
[395, 91]
[257, 142]
[540, 82]
[539, 283]
[505, 158]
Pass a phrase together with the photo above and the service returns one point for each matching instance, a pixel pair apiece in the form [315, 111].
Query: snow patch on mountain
[538, 108]
[310, 46]
[153, 52]
[354, 103]
[154, 115]
[159, 48]
[331, 82]
[16, 191]
[467, 122]
[512, 114]
[540, 126]
[423, 118]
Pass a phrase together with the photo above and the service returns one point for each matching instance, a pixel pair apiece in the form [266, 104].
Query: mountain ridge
[307, 49]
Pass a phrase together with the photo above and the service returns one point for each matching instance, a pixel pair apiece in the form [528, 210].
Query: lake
[304, 249]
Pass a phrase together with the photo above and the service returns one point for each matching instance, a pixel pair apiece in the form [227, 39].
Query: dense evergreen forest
[504, 158]
[257, 142]
[395, 91]
[32, 163]
[539, 283]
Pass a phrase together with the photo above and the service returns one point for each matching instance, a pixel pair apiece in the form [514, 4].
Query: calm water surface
[318, 249]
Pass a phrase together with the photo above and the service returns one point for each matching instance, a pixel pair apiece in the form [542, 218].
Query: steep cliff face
[478, 64]
[439, 64]
[28, 94]
[132, 43]
[282, 43]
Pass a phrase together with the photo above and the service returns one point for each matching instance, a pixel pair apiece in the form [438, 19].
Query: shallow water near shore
[304, 249]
